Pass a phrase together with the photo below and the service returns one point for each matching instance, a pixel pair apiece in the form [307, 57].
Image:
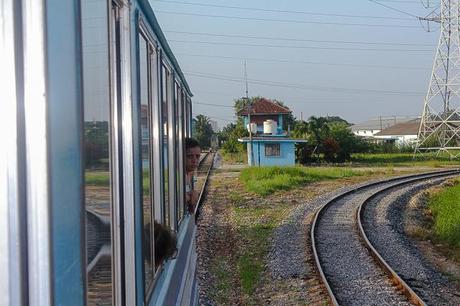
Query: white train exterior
[94, 113]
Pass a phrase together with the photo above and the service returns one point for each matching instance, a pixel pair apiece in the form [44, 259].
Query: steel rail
[322, 209]
[205, 184]
[394, 277]
[203, 158]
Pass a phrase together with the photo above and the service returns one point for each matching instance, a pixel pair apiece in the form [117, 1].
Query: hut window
[272, 149]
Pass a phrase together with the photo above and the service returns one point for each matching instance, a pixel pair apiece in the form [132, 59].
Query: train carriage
[94, 113]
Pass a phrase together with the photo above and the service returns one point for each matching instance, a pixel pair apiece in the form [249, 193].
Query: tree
[203, 131]
[304, 151]
[230, 135]
[96, 142]
[329, 136]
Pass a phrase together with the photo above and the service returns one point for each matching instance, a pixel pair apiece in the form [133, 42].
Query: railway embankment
[437, 205]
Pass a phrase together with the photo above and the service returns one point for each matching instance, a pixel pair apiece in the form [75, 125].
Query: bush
[232, 146]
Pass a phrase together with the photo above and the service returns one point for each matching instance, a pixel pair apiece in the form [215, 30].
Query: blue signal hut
[270, 144]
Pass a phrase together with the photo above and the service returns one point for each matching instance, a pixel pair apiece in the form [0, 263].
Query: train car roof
[150, 15]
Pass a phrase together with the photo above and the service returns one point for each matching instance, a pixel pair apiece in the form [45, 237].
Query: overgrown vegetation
[445, 207]
[266, 180]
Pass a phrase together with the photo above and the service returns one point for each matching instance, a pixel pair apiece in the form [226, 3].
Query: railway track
[204, 170]
[352, 270]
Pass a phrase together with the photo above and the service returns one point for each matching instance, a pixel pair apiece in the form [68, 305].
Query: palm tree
[203, 130]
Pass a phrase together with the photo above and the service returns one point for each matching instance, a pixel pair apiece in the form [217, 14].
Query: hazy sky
[324, 63]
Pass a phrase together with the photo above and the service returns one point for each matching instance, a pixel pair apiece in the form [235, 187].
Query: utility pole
[439, 130]
[249, 114]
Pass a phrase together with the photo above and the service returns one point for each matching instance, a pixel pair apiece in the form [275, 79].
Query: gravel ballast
[384, 226]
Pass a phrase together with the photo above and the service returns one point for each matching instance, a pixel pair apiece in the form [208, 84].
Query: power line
[211, 104]
[297, 101]
[297, 39]
[394, 9]
[223, 119]
[287, 20]
[218, 118]
[300, 62]
[297, 47]
[300, 86]
[278, 10]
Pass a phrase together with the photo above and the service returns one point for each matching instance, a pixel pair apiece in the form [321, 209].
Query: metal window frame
[163, 96]
[156, 117]
[144, 40]
[190, 117]
[37, 168]
[172, 148]
[154, 140]
[13, 265]
[123, 223]
[180, 151]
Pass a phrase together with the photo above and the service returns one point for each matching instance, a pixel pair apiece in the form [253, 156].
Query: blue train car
[94, 113]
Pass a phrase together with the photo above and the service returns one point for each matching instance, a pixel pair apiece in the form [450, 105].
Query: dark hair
[191, 143]
[165, 242]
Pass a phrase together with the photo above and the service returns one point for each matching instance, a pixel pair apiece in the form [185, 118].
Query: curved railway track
[344, 255]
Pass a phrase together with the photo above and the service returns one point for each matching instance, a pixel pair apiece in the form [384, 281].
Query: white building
[369, 128]
[402, 134]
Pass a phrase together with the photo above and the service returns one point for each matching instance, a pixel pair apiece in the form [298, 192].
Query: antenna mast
[251, 163]
[439, 130]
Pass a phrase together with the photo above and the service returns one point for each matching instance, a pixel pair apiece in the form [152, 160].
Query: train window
[179, 154]
[97, 152]
[165, 93]
[146, 153]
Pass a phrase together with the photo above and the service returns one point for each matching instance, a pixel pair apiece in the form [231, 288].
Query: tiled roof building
[265, 107]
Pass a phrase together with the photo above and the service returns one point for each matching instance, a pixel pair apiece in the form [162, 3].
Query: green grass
[267, 180]
[220, 267]
[402, 159]
[255, 225]
[234, 158]
[102, 178]
[445, 206]
[97, 178]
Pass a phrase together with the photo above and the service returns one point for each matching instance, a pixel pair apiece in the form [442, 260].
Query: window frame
[272, 147]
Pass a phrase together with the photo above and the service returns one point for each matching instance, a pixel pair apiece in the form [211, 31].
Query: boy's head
[192, 154]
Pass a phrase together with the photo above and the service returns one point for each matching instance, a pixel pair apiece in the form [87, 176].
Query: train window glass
[180, 181]
[146, 161]
[165, 127]
[97, 133]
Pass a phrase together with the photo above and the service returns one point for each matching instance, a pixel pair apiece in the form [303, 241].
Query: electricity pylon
[439, 130]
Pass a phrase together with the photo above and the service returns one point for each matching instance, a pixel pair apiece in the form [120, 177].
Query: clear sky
[355, 59]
